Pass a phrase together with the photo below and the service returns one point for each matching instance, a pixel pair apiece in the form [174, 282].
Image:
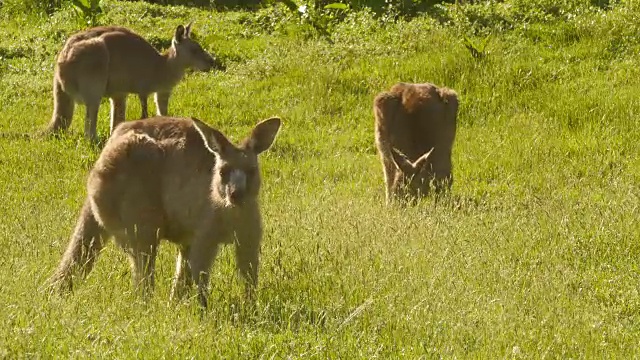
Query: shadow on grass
[447, 201]
[15, 53]
[17, 136]
[274, 314]
[220, 5]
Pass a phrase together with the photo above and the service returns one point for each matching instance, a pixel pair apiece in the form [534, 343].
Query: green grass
[535, 253]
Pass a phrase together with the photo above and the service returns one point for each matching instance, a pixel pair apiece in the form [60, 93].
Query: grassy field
[535, 254]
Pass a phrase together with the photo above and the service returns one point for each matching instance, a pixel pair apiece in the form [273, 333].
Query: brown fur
[112, 62]
[175, 179]
[415, 126]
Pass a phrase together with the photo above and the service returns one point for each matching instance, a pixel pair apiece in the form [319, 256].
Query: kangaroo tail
[63, 105]
[88, 238]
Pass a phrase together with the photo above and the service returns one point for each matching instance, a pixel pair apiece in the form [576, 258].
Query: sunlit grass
[534, 254]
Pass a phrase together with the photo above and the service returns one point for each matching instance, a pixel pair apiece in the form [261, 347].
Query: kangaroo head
[236, 175]
[413, 178]
[190, 52]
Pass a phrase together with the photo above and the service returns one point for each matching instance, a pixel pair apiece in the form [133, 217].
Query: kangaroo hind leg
[118, 110]
[141, 245]
[143, 106]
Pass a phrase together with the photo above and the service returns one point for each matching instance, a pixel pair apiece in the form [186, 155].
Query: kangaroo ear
[401, 162]
[262, 135]
[179, 34]
[213, 139]
[187, 30]
[422, 160]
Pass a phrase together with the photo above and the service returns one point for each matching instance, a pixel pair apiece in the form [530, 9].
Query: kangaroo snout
[207, 62]
[215, 64]
[237, 186]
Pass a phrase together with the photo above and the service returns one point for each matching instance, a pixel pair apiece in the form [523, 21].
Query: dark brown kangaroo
[414, 132]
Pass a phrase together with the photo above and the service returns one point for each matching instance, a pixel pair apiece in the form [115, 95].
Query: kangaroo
[114, 61]
[415, 126]
[175, 179]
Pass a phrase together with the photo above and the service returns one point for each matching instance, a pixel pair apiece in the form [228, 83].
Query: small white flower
[516, 350]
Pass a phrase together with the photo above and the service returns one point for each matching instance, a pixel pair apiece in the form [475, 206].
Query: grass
[535, 254]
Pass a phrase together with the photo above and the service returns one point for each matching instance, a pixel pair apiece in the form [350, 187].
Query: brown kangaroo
[414, 132]
[112, 62]
[175, 179]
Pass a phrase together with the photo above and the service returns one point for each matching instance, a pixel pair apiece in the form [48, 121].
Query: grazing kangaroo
[114, 61]
[175, 179]
[415, 126]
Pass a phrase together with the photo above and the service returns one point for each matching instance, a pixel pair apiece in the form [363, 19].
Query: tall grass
[534, 254]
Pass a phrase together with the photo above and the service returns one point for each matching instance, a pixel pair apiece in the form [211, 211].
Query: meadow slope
[534, 254]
